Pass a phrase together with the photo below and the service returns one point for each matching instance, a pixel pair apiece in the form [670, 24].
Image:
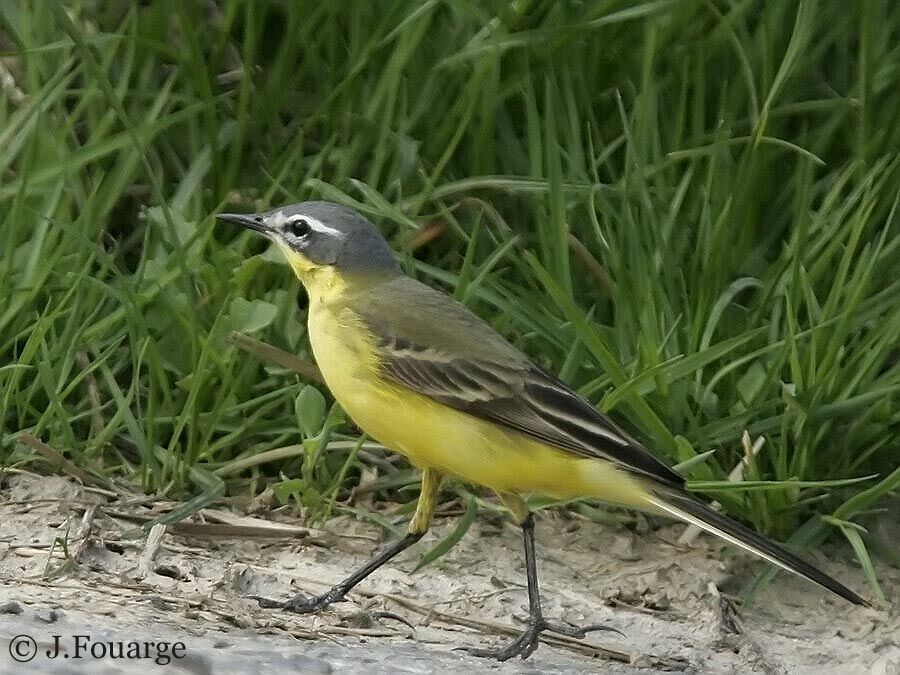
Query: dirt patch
[192, 585]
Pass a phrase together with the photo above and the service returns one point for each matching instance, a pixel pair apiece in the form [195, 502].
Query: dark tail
[686, 508]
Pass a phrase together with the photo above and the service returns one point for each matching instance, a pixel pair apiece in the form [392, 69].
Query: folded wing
[523, 398]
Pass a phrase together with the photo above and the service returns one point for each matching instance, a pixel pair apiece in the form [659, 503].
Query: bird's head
[322, 236]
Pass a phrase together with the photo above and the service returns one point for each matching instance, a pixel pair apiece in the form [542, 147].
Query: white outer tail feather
[675, 512]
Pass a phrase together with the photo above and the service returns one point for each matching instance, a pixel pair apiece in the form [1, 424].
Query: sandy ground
[71, 565]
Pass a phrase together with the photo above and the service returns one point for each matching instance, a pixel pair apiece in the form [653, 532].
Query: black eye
[298, 227]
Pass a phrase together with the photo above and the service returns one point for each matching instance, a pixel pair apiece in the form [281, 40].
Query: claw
[392, 616]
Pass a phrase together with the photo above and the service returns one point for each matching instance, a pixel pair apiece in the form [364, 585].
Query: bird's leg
[527, 642]
[416, 529]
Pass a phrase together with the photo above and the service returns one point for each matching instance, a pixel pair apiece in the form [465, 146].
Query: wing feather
[521, 397]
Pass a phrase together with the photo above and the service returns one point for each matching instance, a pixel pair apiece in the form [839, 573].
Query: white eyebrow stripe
[279, 218]
[319, 226]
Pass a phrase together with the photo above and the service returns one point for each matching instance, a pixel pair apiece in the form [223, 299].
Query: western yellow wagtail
[424, 376]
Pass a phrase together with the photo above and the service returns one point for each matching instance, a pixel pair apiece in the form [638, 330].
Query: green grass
[687, 209]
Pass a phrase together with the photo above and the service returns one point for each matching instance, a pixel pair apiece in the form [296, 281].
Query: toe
[579, 632]
[267, 603]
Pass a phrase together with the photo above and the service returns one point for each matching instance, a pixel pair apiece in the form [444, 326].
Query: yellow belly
[432, 434]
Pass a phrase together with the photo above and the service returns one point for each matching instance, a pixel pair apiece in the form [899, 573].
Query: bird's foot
[528, 640]
[302, 604]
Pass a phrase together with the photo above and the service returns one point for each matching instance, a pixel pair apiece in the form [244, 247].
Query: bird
[427, 378]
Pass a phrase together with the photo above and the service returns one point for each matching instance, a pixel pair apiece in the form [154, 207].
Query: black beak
[251, 221]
